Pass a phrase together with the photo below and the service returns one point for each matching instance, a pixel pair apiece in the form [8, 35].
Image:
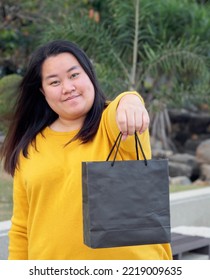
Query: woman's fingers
[131, 115]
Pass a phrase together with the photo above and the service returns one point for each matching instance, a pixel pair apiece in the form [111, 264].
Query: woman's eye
[74, 75]
[54, 83]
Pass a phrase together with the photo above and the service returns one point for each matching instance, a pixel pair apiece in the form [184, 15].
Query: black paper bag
[125, 202]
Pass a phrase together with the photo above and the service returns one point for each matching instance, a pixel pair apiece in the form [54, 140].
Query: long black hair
[32, 113]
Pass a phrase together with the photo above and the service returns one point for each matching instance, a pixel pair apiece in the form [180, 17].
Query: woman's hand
[131, 115]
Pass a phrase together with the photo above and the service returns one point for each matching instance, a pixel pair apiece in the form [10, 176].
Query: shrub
[8, 86]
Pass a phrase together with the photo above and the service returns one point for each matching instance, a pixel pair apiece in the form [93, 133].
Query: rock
[159, 153]
[190, 161]
[191, 145]
[183, 158]
[196, 122]
[200, 182]
[180, 169]
[205, 172]
[203, 152]
[180, 180]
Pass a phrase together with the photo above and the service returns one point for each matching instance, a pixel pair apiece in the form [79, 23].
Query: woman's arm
[18, 242]
[127, 110]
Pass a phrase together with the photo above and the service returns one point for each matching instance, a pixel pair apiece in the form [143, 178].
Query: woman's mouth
[72, 97]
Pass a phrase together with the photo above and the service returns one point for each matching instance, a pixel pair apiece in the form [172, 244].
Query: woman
[61, 119]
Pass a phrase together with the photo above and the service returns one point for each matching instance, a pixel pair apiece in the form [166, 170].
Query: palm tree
[155, 47]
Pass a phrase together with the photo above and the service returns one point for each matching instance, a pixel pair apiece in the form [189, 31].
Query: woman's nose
[68, 86]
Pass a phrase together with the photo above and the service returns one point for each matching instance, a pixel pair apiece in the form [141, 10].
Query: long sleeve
[18, 246]
[109, 117]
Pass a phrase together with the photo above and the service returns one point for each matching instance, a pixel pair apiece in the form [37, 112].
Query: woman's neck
[62, 125]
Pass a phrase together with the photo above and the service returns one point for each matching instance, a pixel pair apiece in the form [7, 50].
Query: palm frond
[176, 59]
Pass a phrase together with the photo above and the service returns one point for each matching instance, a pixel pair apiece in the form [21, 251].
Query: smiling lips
[71, 97]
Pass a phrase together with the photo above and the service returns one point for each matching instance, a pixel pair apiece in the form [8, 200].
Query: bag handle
[117, 143]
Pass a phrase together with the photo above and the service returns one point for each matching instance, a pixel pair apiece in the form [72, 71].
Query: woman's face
[66, 87]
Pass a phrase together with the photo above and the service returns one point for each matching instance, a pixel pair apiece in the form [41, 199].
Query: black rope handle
[137, 141]
[117, 143]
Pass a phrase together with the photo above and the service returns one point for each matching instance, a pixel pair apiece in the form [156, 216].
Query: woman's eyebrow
[73, 68]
